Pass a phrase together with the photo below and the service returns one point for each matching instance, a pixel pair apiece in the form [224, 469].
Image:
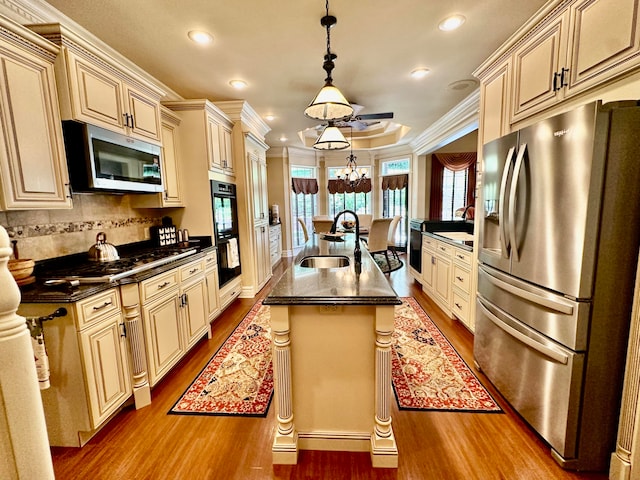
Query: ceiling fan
[359, 122]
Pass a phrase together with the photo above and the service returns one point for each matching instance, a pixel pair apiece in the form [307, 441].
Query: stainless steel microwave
[101, 160]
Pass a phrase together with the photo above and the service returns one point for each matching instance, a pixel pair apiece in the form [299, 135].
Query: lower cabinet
[211, 281]
[230, 291]
[447, 279]
[174, 314]
[275, 243]
[90, 366]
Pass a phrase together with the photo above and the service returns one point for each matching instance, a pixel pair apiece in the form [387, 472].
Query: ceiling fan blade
[374, 116]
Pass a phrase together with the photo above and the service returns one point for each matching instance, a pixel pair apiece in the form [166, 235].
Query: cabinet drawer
[228, 294]
[461, 278]
[460, 305]
[428, 242]
[462, 256]
[444, 249]
[98, 306]
[158, 285]
[191, 270]
[210, 260]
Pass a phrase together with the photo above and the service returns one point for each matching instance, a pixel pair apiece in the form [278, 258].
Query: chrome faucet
[357, 254]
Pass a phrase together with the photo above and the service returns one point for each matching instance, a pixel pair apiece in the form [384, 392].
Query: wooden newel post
[24, 445]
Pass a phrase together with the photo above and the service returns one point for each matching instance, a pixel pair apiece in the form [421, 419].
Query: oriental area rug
[427, 372]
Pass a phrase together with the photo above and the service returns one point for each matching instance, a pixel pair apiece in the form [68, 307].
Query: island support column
[384, 451]
[285, 443]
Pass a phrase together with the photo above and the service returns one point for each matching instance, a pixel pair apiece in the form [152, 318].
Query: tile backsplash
[43, 234]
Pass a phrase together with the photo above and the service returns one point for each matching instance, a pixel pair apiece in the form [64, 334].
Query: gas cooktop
[104, 272]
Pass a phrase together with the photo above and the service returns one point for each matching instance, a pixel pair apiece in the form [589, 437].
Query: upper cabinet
[33, 171]
[95, 89]
[568, 48]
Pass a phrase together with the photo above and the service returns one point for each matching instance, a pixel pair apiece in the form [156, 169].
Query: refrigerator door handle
[543, 349]
[502, 208]
[512, 200]
[550, 303]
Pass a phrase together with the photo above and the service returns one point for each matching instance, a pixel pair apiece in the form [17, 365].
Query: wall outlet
[147, 233]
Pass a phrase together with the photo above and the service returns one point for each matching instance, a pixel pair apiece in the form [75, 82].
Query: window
[454, 192]
[395, 183]
[359, 202]
[304, 200]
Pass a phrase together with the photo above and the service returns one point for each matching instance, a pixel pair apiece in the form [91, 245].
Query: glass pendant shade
[329, 104]
[331, 139]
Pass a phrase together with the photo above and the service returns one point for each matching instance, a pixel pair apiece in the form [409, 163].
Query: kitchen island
[332, 330]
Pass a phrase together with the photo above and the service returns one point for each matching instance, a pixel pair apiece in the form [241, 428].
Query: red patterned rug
[427, 372]
[238, 380]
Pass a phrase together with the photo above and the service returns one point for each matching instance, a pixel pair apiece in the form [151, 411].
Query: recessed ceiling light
[269, 118]
[283, 138]
[451, 23]
[238, 84]
[420, 72]
[200, 37]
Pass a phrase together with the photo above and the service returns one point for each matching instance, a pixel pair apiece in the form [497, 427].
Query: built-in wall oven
[225, 215]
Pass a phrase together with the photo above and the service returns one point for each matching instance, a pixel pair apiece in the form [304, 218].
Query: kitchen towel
[233, 257]
[39, 352]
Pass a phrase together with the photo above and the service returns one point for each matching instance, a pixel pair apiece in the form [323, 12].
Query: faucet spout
[357, 254]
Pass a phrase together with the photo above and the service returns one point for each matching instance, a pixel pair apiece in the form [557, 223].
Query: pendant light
[331, 139]
[350, 174]
[329, 103]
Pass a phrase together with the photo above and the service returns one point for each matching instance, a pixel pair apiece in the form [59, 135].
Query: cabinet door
[106, 364]
[144, 115]
[213, 144]
[535, 65]
[442, 279]
[495, 100]
[262, 255]
[96, 96]
[428, 260]
[162, 334]
[605, 40]
[259, 184]
[33, 170]
[195, 312]
[213, 302]
[226, 149]
[172, 196]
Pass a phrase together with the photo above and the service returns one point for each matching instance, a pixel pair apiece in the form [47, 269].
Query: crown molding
[457, 122]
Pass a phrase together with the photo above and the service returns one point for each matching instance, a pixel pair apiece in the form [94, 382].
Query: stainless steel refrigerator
[558, 249]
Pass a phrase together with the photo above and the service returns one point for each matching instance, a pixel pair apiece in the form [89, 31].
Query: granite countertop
[333, 286]
[458, 239]
[40, 293]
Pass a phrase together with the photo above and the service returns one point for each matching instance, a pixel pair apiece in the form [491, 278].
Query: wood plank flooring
[149, 444]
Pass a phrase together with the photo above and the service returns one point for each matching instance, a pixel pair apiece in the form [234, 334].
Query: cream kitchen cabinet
[249, 165]
[33, 169]
[211, 282]
[171, 168]
[461, 302]
[174, 316]
[205, 134]
[275, 243]
[496, 103]
[568, 49]
[95, 89]
[442, 275]
[90, 366]
[428, 262]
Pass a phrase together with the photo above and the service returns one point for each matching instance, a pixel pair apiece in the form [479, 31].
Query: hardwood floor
[149, 444]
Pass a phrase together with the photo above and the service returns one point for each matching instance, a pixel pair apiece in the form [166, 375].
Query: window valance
[340, 186]
[395, 182]
[456, 161]
[304, 185]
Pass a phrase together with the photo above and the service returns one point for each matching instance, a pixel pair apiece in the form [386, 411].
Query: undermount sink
[336, 261]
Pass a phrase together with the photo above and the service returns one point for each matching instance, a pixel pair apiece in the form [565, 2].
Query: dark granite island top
[333, 286]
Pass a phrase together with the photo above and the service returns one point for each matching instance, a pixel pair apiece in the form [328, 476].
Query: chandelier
[350, 174]
[331, 139]
[329, 103]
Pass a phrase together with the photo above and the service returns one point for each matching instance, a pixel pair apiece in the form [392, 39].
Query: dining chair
[365, 221]
[304, 229]
[322, 226]
[379, 237]
[391, 241]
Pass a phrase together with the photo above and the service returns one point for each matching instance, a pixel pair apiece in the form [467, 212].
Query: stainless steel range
[105, 272]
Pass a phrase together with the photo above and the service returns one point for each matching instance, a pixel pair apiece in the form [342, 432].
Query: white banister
[24, 445]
